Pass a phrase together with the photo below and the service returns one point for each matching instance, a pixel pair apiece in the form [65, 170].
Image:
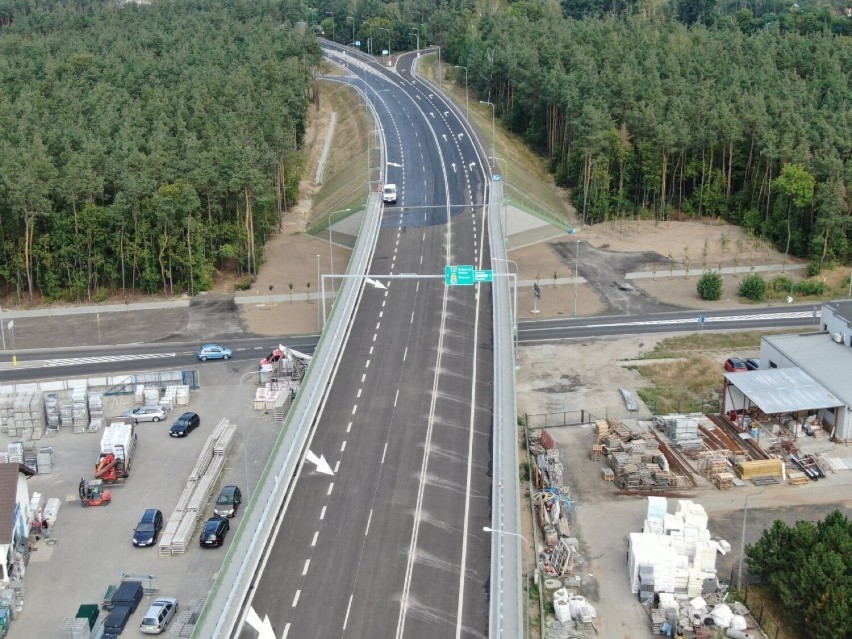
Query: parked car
[228, 501]
[214, 531]
[148, 528]
[147, 414]
[159, 614]
[213, 351]
[752, 364]
[735, 365]
[185, 424]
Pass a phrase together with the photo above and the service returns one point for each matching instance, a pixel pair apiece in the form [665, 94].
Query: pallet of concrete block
[74, 628]
[760, 468]
[15, 450]
[6, 402]
[181, 395]
[151, 396]
[607, 474]
[51, 411]
[45, 460]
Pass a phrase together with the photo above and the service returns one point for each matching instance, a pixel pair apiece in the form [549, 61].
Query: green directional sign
[483, 275]
[462, 275]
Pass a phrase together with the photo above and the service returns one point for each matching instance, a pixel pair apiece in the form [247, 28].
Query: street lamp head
[487, 529]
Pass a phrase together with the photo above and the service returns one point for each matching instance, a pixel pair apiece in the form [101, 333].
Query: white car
[157, 619]
[146, 414]
[389, 193]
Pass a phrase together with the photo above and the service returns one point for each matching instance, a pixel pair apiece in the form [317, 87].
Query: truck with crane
[118, 443]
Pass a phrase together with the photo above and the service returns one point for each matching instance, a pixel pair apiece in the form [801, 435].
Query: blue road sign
[700, 319]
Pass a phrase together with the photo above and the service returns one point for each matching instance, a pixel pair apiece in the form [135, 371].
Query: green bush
[753, 287]
[244, 283]
[781, 284]
[710, 286]
[810, 287]
[813, 268]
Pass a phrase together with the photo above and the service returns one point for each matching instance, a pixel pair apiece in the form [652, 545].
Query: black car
[228, 501]
[214, 531]
[184, 425]
[148, 528]
[752, 364]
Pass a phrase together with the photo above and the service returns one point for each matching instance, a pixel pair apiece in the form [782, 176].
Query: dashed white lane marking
[305, 569]
[381, 314]
[296, 598]
[322, 513]
[348, 427]
[359, 393]
[355, 409]
[384, 452]
[314, 540]
[336, 466]
[396, 398]
[378, 325]
[412, 318]
[363, 377]
[375, 335]
[369, 519]
[330, 488]
[348, 608]
[405, 354]
[371, 351]
[343, 446]
[286, 631]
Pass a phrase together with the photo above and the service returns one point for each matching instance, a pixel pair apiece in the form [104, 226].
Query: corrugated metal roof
[783, 390]
[826, 361]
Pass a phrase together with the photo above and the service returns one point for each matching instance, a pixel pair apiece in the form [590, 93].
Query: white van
[389, 193]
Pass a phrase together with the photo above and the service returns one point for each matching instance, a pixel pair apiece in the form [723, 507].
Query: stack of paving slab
[683, 431]
[66, 409]
[676, 546]
[6, 412]
[80, 410]
[45, 460]
[28, 416]
[199, 487]
[51, 412]
[96, 411]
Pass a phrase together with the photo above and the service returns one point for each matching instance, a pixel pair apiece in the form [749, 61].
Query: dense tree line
[646, 116]
[808, 567]
[143, 146]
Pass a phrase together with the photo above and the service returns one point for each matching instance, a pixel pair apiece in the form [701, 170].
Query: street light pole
[319, 325]
[331, 13]
[389, 41]
[488, 529]
[348, 18]
[493, 141]
[331, 247]
[2, 329]
[466, 101]
[418, 39]
[742, 540]
[576, 275]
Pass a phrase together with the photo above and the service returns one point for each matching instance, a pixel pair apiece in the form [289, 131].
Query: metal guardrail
[226, 607]
[506, 615]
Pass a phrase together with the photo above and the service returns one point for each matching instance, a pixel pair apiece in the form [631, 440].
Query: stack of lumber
[760, 468]
[723, 481]
[797, 477]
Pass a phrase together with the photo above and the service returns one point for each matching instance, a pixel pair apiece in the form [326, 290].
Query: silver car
[146, 414]
[160, 613]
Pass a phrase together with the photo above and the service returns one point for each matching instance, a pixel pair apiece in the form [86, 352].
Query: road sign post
[536, 298]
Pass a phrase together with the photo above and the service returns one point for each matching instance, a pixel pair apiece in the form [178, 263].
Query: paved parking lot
[93, 545]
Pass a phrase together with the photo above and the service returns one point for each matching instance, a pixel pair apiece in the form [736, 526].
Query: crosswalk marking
[74, 361]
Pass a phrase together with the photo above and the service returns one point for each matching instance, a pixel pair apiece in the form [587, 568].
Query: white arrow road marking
[375, 283]
[394, 164]
[264, 628]
[322, 465]
[454, 167]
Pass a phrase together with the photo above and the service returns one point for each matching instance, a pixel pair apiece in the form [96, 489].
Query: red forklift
[92, 493]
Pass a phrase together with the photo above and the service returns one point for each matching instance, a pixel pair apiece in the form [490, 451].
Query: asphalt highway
[391, 544]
